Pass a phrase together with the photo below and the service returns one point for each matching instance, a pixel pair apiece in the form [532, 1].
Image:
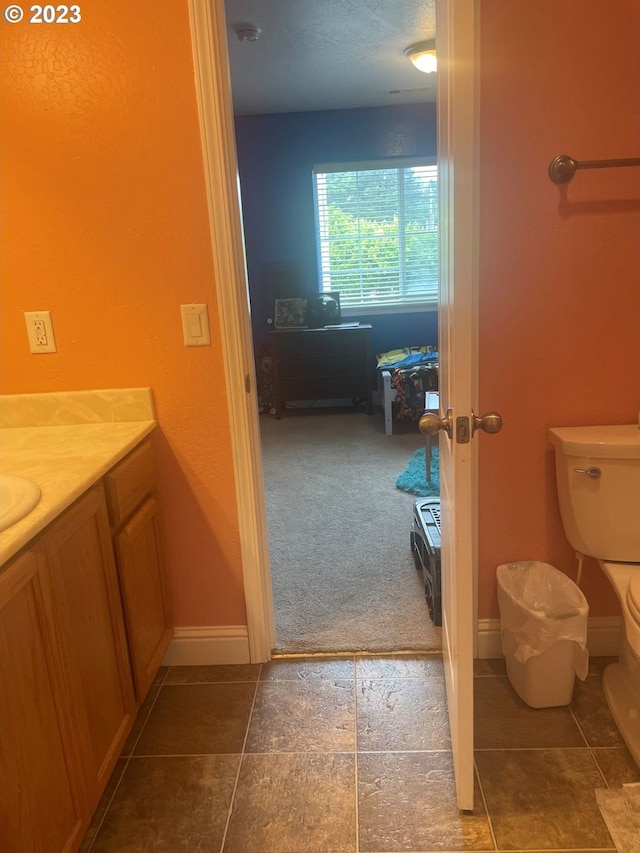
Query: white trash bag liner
[540, 605]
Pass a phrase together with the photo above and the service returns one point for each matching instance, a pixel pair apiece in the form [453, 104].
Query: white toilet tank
[598, 479]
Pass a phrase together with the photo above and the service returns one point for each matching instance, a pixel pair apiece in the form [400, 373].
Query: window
[377, 233]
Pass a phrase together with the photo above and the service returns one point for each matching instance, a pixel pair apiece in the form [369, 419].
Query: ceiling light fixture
[423, 56]
[247, 32]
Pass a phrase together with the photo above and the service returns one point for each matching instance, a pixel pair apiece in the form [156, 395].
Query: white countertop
[71, 446]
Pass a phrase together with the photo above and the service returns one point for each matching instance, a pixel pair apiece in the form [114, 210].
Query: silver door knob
[430, 423]
[490, 422]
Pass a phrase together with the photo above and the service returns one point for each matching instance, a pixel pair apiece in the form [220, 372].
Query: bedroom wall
[276, 155]
[559, 266]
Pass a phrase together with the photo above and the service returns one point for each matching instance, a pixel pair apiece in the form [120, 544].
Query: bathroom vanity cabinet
[43, 804]
[62, 619]
[83, 628]
[133, 511]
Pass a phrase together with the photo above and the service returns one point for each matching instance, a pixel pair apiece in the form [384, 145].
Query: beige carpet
[343, 573]
[620, 808]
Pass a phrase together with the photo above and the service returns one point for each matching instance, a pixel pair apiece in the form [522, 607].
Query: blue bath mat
[414, 478]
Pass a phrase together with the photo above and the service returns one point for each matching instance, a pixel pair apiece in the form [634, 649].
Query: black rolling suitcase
[425, 544]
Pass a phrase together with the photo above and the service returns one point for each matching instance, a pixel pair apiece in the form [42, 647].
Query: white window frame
[409, 306]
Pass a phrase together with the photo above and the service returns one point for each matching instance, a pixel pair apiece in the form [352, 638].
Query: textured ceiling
[327, 54]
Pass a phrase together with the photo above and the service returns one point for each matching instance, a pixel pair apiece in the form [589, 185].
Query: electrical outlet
[40, 331]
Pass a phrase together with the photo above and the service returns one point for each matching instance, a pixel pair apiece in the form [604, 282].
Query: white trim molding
[213, 94]
[208, 646]
[489, 643]
[603, 637]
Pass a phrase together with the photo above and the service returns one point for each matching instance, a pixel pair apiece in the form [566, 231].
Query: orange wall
[559, 267]
[105, 225]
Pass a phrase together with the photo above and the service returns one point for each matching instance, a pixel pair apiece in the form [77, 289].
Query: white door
[457, 134]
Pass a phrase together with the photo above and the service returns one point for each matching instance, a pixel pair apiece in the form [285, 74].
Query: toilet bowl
[621, 680]
[598, 481]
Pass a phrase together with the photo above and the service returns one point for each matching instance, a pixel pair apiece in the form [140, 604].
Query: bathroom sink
[18, 496]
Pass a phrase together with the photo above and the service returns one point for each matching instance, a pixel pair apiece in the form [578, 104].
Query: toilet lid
[633, 597]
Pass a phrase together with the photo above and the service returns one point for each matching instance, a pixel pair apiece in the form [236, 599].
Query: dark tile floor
[337, 755]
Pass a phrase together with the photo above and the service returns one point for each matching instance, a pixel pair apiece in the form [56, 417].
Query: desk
[322, 364]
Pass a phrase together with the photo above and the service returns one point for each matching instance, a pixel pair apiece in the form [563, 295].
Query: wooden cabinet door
[141, 578]
[88, 614]
[41, 798]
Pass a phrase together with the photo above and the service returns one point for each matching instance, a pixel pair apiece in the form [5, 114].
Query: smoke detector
[247, 32]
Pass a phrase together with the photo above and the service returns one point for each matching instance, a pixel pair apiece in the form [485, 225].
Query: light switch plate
[195, 325]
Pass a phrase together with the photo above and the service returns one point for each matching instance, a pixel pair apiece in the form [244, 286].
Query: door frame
[215, 110]
[213, 95]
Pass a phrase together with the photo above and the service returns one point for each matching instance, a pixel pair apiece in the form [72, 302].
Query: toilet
[598, 480]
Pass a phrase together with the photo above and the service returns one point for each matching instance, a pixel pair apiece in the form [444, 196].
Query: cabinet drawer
[322, 366]
[324, 388]
[323, 342]
[129, 482]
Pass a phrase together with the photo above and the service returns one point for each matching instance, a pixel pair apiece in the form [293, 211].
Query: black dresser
[322, 364]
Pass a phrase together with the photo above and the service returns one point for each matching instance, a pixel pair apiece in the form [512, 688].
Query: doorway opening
[343, 571]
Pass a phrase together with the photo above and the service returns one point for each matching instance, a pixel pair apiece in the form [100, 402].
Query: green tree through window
[377, 233]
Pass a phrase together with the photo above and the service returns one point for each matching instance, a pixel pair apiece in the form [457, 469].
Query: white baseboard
[208, 645]
[229, 644]
[489, 642]
[603, 636]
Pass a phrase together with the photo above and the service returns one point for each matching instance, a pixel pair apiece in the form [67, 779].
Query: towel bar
[562, 168]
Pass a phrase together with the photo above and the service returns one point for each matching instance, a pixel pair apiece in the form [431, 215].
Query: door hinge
[247, 383]
[462, 430]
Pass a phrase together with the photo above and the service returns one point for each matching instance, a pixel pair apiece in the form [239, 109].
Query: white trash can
[543, 618]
